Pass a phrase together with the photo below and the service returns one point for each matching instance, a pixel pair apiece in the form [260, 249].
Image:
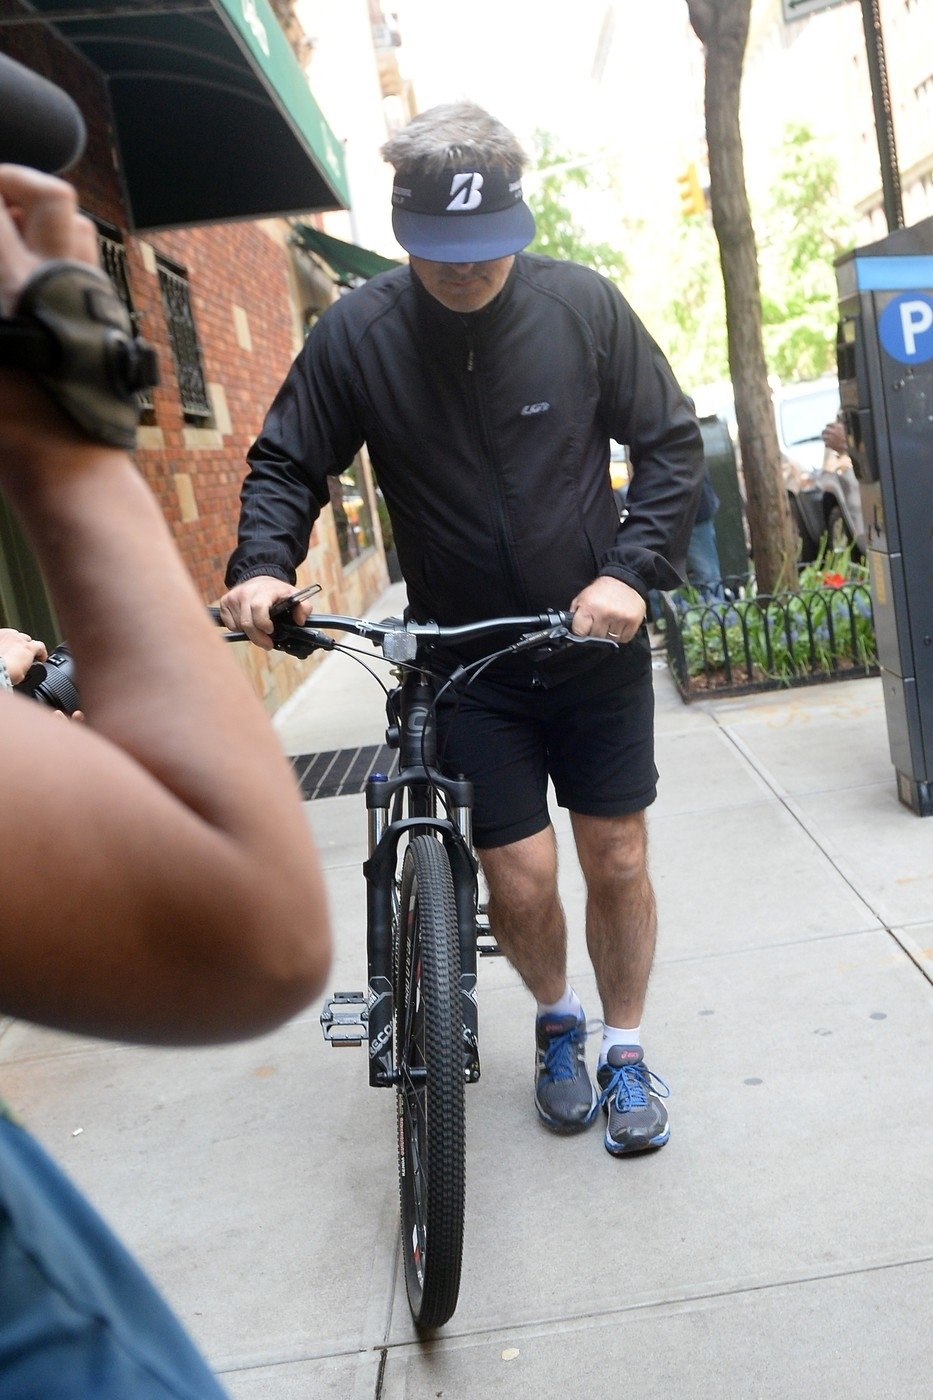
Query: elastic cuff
[626, 576]
[265, 571]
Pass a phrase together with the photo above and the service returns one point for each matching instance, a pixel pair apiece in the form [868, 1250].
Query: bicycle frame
[416, 787]
[422, 919]
[418, 782]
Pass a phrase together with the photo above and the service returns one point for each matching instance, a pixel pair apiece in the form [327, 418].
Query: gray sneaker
[564, 1093]
[630, 1096]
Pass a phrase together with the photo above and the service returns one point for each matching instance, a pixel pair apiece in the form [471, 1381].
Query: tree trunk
[722, 27]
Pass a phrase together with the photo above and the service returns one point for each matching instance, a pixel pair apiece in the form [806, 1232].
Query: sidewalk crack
[793, 810]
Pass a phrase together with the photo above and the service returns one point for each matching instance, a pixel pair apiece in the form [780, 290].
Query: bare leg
[525, 913]
[621, 919]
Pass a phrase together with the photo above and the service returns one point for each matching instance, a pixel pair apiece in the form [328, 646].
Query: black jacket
[489, 437]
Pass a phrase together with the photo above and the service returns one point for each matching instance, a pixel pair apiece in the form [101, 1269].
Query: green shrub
[825, 626]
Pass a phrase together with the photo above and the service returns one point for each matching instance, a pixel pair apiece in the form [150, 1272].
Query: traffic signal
[692, 196]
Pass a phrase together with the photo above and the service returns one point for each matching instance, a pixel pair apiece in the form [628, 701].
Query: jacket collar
[474, 323]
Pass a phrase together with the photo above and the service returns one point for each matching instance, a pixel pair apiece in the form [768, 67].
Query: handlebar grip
[290, 637]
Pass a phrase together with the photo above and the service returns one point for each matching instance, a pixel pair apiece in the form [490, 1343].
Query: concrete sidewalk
[781, 1245]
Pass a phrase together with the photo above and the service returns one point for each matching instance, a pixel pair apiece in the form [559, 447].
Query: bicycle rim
[430, 1095]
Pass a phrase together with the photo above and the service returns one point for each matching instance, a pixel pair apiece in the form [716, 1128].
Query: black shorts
[590, 730]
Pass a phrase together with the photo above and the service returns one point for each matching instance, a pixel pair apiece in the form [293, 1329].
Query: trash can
[730, 517]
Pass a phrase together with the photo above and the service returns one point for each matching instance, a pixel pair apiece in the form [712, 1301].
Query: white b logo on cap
[466, 191]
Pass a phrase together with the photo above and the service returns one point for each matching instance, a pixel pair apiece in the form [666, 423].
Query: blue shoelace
[631, 1085]
[559, 1060]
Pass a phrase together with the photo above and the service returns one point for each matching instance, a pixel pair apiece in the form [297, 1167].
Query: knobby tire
[430, 1094]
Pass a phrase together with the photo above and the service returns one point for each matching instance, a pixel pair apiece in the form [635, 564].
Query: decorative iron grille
[186, 350]
[743, 641]
[113, 258]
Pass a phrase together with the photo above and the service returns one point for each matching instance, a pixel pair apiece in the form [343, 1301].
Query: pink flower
[833, 580]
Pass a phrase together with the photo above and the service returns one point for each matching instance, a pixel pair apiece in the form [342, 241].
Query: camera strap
[73, 331]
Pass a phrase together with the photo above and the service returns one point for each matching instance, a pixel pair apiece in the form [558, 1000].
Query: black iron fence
[731, 640]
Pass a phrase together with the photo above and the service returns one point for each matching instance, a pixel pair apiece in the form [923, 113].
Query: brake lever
[599, 641]
[299, 641]
[560, 633]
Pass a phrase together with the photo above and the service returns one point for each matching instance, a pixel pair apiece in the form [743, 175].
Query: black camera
[51, 682]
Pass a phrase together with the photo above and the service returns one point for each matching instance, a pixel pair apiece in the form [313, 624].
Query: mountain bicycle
[424, 926]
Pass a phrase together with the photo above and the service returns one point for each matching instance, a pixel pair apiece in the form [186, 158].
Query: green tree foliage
[694, 321]
[558, 234]
[801, 229]
[801, 232]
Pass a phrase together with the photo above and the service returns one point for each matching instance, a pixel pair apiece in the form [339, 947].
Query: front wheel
[430, 1095]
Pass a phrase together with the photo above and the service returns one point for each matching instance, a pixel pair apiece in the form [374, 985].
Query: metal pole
[884, 124]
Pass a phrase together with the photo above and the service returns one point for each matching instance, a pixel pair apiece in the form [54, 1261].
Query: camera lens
[51, 682]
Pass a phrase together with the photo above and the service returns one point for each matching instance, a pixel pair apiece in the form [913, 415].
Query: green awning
[349, 262]
[213, 116]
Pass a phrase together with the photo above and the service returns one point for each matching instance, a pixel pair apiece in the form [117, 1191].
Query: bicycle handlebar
[402, 641]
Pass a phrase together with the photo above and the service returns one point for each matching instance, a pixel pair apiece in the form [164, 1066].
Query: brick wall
[239, 281]
[238, 284]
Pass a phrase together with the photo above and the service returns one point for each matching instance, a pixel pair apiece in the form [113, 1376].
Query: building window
[113, 261]
[189, 366]
[352, 515]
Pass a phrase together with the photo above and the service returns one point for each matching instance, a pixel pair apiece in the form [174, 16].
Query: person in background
[704, 570]
[834, 436]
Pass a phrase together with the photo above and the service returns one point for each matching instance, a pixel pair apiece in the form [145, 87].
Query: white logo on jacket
[531, 408]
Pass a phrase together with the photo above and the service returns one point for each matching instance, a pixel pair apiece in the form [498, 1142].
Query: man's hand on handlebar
[607, 607]
[246, 608]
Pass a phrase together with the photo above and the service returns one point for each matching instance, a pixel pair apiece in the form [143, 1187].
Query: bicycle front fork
[381, 913]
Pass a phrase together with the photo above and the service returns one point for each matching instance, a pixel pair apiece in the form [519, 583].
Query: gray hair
[454, 133]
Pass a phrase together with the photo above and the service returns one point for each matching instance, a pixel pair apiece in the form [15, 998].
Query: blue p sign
[906, 328]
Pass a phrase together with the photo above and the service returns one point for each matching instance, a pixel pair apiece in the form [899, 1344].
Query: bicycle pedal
[486, 945]
[345, 1019]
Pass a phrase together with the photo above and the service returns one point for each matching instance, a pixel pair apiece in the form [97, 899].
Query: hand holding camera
[19, 652]
[65, 322]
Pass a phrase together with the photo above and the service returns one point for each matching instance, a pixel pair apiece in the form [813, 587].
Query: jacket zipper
[503, 541]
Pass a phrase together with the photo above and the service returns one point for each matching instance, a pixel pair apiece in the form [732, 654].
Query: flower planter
[743, 641]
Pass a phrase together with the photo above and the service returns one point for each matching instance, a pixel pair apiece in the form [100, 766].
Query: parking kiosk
[885, 361]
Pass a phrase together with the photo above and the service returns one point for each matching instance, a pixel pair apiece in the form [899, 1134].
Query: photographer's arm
[161, 883]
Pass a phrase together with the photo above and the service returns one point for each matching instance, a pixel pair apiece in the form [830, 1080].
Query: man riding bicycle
[486, 384]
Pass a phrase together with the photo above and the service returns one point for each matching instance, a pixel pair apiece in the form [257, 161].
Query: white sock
[617, 1035]
[568, 1005]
